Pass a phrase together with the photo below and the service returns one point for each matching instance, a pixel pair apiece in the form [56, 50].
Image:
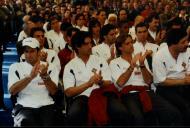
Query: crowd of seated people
[119, 63]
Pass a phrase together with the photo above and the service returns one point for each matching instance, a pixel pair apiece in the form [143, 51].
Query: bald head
[26, 18]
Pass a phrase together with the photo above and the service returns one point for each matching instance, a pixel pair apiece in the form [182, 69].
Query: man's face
[86, 48]
[124, 28]
[102, 16]
[127, 46]
[39, 35]
[80, 21]
[31, 55]
[111, 36]
[182, 44]
[142, 34]
[96, 29]
[154, 24]
[55, 24]
[58, 10]
[29, 26]
[112, 20]
[123, 15]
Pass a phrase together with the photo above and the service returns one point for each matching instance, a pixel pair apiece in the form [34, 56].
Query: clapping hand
[35, 70]
[43, 69]
[96, 78]
[143, 57]
[134, 60]
[43, 56]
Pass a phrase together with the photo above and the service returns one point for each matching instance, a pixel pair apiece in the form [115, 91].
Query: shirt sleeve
[106, 73]
[95, 52]
[115, 70]
[13, 75]
[54, 74]
[68, 77]
[159, 69]
[55, 61]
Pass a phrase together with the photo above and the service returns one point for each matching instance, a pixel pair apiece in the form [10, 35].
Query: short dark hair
[35, 29]
[54, 17]
[175, 21]
[121, 9]
[36, 19]
[99, 11]
[78, 16]
[173, 36]
[92, 23]
[70, 30]
[152, 16]
[78, 40]
[119, 41]
[65, 26]
[106, 29]
[141, 24]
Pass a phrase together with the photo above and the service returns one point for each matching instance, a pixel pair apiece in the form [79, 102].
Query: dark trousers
[25, 116]
[163, 113]
[117, 112]
[176, 96]
[77, 114]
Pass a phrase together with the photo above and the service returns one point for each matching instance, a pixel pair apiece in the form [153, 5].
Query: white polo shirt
[55, 40]
[22, 36]
[165, 66]
[83, 28]
[152, 34]
[52, 58]
[76, 72]
[103, 50]
[35, 94]
[138, 47]
[132, 32]
[118, 66]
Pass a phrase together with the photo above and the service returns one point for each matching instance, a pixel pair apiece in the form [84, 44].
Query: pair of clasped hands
[141, 58]
[40, 68]
[96, 78]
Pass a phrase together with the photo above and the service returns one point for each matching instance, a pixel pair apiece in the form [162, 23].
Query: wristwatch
[142, 66]
[46, 77]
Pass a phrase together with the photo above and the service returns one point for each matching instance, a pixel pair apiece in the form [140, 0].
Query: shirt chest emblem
[184, 65]
[94, 70]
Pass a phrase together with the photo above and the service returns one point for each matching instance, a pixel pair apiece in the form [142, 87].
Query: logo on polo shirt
[41, 83]
[94, 70]
[184, 66]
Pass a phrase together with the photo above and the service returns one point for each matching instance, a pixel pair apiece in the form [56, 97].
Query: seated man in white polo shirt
[82, 75]
[34, 82]
[170, 68]
[46, 55]
[132, 76]
[106, 49]
[142, 44]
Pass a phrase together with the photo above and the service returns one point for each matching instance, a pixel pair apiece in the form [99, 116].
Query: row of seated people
[104, 91]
